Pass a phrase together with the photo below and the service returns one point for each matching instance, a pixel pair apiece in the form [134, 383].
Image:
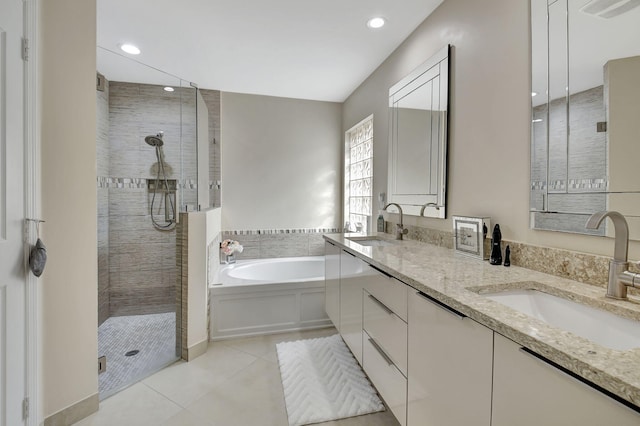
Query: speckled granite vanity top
[459, 282]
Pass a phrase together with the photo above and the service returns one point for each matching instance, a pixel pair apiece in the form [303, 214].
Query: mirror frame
[412, 204]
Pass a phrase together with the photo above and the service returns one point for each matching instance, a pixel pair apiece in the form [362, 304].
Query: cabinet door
[332, 283]
[353, 276]
[450, 359]
[528, 391]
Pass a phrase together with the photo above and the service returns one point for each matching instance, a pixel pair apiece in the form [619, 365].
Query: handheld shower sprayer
[157, 142]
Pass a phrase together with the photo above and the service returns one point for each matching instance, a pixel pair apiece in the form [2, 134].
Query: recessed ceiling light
[130, 48]
[376, 22]
[168, 89]
[534, 94]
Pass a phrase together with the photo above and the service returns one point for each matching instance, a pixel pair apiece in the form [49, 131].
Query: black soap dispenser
[496, 250]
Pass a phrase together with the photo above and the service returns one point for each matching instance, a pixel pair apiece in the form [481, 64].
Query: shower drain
[132, 353]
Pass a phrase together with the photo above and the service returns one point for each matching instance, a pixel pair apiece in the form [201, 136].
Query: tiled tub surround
[268, 243]
[456, 280]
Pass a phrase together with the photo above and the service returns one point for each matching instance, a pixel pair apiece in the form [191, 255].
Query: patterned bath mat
[322, 381]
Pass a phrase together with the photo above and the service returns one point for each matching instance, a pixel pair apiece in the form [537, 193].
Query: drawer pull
[382, 305]
[381, 351]
[452, 311]
[381, 271]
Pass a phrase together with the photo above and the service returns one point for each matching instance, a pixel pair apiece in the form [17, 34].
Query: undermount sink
[599, 326]
[369, 241]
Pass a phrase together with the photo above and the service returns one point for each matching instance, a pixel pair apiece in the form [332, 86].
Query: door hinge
[25, 49]
[25, 408]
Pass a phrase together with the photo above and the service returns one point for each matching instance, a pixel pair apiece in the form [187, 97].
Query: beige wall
[69, 283]
[490, 116]
[281, 162]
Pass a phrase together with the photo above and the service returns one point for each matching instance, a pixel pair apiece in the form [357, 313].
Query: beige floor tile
[185, 382]
[258, 346]
[254, 396]
[384, 418]
[186, 418]
[236, 383]
[137, 405]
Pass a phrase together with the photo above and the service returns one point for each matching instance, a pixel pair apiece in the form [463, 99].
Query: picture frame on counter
[469, 236]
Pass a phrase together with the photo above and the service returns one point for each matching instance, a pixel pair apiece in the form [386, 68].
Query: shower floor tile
[153, 335]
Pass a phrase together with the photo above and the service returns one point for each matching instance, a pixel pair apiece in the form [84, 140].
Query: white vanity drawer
[390, 383]
[388, 290]
[387, 329]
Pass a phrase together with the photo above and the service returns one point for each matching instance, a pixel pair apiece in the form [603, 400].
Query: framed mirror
[585, 90]
[418, 107]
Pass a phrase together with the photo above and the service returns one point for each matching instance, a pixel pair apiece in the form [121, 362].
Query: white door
[12, 271]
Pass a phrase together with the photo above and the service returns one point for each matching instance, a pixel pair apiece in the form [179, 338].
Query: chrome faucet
[619, 276]
[424, 206]
[400, 229]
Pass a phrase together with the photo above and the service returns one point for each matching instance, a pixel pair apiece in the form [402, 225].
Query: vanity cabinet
[353, 276]
[332, 282]
[450, 360]
[528, 391]
[433, 365]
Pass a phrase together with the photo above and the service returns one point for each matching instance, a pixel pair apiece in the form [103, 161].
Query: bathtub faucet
[400, 229]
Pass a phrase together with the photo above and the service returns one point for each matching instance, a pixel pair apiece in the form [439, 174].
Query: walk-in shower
[161, 185]
[154, 162]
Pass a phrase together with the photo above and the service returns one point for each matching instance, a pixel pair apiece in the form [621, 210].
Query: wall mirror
[418, 138]
[585, 131]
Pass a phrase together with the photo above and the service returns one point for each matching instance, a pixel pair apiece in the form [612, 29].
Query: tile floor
[153, 335]
[236, 383]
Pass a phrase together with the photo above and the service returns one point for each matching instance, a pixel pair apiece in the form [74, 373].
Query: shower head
[155, 140]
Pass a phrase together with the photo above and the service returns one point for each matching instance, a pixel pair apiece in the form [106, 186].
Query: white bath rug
[322, 381]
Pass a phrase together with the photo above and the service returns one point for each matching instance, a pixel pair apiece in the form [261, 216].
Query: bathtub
[267, 296]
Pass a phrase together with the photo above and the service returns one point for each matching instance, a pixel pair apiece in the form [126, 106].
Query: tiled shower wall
[138, 270]
[102, 150]
[212, 99]
[586, 155]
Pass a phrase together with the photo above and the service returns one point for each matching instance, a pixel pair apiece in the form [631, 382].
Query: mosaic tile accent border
[600, 184]
[142, 183]
[283, 231]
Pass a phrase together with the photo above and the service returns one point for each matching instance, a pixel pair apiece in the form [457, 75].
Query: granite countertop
[458, 281]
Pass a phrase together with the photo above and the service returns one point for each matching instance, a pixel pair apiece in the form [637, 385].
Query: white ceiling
[320, 50]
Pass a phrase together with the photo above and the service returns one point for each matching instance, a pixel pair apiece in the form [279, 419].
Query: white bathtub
[268, 296]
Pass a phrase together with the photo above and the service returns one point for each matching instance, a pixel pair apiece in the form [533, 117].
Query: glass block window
[358, 173]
